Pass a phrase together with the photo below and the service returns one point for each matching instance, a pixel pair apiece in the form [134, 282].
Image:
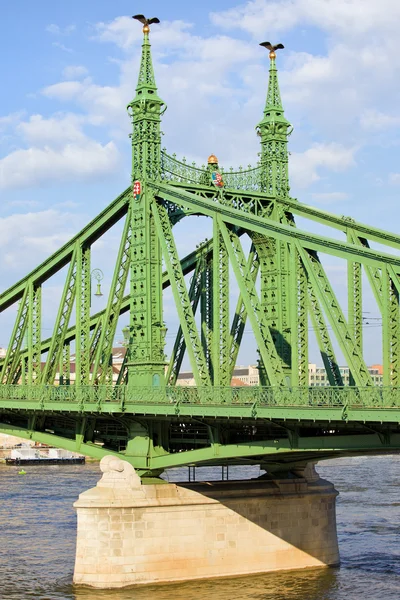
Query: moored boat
[51, 456]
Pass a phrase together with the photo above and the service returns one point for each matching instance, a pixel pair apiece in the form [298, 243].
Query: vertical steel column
[146, 360]
[354, 294]
[61, 324]
[34, 331]
[221, 337]
[239, 320]
[206, 311]
[12, 362]
[82, 306]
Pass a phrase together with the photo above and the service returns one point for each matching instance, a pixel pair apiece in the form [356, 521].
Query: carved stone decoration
[118, 473]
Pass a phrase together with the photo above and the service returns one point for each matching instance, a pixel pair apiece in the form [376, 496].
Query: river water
[38, 529]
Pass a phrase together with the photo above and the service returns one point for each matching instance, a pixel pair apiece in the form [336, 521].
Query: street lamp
[98, 275]
[125, 333]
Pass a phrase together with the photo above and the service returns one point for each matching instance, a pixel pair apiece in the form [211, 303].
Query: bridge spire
[274, 130]
[145, 351]
[145, 111]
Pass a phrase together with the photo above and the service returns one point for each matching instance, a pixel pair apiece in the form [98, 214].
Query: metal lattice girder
[274, 292]
[181, 297]
[82, 305]
[95, 337]
[271, 228]
[178, 351]
[62, 321]
[328, 300]
[89, 234]
[65, 365]
[354, 295]
[373, 273]
[250, 298]
[188, 265]
[253, 202]
[299, 319]
[12, 359]
[390, 328]
[324, 340]
[34, 333]
[220, 337]
[239, 320]
[103, 349]
[385, 285]
[206, 309]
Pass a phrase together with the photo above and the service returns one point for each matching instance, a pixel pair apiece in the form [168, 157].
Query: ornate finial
[146, 22]
[212, 160]
[272, 48]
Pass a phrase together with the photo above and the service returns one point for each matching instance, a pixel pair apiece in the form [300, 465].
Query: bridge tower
[145, 352]
[274, 255]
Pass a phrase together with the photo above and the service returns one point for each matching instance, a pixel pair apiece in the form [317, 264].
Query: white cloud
[25, 239]
[10, 120]
[354, 17]
[306, 167]
[374, 120]
[36, 166]
[104, 104]
[57, 30]
[62, 47]
[394, 178]
[73, 71]
[55, 131]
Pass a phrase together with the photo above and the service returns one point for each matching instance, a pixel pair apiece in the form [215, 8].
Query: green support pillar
[274, 254]
[146, 362]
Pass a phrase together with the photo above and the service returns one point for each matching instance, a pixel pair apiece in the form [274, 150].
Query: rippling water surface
[38, 529]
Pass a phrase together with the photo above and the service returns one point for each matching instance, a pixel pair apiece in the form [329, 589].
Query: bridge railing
[352, 397]
[249, 179]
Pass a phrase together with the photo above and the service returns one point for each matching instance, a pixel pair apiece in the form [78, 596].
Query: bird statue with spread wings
[146, 22]
[272, 48]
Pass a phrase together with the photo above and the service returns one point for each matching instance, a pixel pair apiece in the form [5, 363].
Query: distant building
[241, 376]
[317, 376]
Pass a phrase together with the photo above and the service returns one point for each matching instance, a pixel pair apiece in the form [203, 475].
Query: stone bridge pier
[131, 533]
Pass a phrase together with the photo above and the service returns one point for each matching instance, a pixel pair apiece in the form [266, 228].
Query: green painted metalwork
[82, 305]
[328, 300]
[110, 320]
[146, 417]
[62, 320]
[206, 308]
[324, 340]
[273, 131]
[250, 298]
[220, 319]
[239, 320]
[182, 300]
[180, 344]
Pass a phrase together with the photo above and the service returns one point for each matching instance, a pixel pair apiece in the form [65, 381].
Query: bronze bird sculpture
[272, 48]
[146, 22]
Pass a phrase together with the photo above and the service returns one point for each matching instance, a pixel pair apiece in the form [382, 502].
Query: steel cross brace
[239, 320]
[62, 321]
[12, 358]
[324, 291]
[180, 344]
[250, 298]
[110, 320]
[181, 297]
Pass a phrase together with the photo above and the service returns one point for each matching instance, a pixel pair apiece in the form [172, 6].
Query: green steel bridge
[145, 416]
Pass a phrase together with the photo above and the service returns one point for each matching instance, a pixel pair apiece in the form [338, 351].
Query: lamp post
[98, 275]
[125, 333]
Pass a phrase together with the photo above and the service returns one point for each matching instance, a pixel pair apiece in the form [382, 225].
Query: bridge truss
[282, 285]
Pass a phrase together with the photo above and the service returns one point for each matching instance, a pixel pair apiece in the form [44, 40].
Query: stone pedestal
[130, 533]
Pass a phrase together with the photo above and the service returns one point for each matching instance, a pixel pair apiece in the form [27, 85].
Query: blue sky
[69, 69]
